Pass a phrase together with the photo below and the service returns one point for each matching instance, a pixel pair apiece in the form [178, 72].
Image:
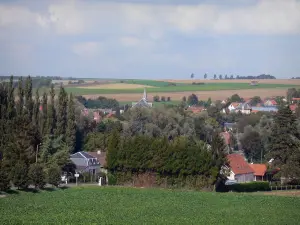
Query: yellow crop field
[115, 86]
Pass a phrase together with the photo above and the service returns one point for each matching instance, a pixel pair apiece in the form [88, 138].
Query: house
[259, 171]
[232, 107]
[295, 100]
[85, 163]
[101, 157]
[270, 102]
[244, 108]
[239, 169]
[254, 83]
[143, 102]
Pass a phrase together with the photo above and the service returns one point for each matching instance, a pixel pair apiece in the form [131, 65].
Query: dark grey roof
[142, 103]
[82, 155]
[243, 106]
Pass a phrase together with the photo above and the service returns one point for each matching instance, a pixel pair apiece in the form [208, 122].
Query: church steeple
[145, 95]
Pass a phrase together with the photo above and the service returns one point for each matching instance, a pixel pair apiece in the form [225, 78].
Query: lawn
[178, 88]
[113, 205]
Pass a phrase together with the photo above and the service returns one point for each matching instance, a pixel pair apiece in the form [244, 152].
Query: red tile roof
[238, 164]
[259, 169]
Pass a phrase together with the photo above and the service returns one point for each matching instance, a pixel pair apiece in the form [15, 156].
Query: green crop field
[113, 205]
[158, 88]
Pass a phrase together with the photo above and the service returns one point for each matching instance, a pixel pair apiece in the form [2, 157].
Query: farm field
[101, 89]
[116, 86]
[116, 205]
[202, 95]
[262, 81]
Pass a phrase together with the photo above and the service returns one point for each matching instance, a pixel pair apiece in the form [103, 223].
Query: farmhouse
[232, 107]
[244, 108]
[259, 171]
[85, 162]
[239, 169]
[270, 102]
[143, 102]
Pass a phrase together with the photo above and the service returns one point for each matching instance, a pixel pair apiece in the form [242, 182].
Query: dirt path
[202, 95]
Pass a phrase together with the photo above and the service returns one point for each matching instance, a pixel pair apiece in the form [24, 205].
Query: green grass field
[178, 88]
[112, 205]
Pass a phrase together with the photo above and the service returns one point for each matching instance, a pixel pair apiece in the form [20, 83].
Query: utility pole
[36, 152]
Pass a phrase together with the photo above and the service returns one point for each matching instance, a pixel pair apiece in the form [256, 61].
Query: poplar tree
[36, 109]
[71, 125]
[43, 115]
[11, 99]
[28, 97]
[20, 103]
[61, 113]
[51, 114]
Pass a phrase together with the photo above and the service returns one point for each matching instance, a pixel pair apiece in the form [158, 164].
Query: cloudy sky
[149, 38]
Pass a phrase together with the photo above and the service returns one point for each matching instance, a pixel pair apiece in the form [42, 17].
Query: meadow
[119, 205]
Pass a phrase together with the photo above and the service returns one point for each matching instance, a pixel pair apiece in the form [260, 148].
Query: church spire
[145, 95]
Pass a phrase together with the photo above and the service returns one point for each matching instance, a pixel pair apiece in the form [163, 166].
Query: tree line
[37, 134]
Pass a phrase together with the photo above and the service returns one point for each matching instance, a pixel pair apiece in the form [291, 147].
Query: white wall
[241, 178]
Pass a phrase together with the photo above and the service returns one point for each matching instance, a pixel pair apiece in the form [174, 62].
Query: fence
[285, 187]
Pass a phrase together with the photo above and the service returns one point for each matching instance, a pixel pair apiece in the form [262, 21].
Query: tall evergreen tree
[284, 146]
[11, 99]
[20, 103]
[51, 112]
[43, 115]
[36, 109]
[71, 125]
[61, 113]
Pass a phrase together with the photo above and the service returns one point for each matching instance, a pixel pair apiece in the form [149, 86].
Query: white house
[244, 108]
[239, 170]
[232, 107]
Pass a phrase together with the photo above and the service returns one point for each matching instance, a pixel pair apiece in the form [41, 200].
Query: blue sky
[149, 39]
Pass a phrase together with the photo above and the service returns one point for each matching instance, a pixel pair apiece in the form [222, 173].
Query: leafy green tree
[235, 98]
[36, 109]
[54, 175]
[252, 145]
[184, 99]
[11, 99]
[71, 124]
[168, 99]
[205, 76]
[192, 99]
[156, 98]
[37, 175]
[215, 76]
[255, 100]
[43, 115]
[220, 77]
[192, 76]
[163, 98]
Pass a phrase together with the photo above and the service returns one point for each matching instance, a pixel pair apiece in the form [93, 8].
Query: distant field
[112, 205]
[115, 86]
[179, 88]
[266, 81]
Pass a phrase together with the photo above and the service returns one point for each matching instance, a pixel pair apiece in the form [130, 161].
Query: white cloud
[87, 49]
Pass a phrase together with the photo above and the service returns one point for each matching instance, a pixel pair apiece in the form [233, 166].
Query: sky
[150, 39]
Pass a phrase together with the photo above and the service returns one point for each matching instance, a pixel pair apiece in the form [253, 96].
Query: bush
[4, 179]
[36, 175]
[163, 98]
[169, 99]
[112, 180]
[250, 187]
[156, 98]
[54, 175]
[20, 176]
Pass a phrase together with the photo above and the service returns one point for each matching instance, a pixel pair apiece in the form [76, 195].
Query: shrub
[163, 98]
[4, 179]
[20, 176]
[112, 180]
[36, 175]
[169, 99]
[156, 98]
[54, 175]
[250, 187]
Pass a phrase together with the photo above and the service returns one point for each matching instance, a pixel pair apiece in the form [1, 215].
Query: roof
[259, 169]
[238, 164]
[235, 104]
[226, 137]
[265, 109]
[244, 106]
[101, 157]
[83, 155]
[196, 109]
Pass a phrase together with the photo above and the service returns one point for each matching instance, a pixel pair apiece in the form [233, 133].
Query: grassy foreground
[112, 205]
